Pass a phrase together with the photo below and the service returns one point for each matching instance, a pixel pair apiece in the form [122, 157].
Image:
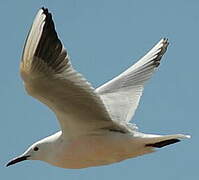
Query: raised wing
[49, 77]
[121, 95]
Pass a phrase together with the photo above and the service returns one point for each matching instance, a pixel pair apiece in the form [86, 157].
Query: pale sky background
[103, 38]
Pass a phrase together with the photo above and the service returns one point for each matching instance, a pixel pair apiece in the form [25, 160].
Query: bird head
[34, 152]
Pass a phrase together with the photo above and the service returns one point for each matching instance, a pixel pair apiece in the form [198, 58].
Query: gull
[95, 123]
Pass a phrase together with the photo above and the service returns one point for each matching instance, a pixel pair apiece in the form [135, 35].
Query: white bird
[95, 127]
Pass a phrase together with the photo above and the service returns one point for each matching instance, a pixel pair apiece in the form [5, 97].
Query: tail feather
[158, 141]
[163, 143]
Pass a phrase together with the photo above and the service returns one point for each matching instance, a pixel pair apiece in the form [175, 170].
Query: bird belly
[98, 150]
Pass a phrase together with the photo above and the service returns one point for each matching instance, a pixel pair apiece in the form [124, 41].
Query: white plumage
[95, 127]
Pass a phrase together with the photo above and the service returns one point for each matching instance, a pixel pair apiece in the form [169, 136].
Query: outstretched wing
[121, 95]
[49, 77]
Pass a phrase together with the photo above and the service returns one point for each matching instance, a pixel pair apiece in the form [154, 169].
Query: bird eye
[36, 149]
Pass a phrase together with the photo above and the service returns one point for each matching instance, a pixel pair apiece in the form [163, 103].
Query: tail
[158, 141]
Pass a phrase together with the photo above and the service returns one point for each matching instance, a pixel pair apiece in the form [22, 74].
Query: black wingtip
[45, 11]
[166, 42]
[163, 143]
[163, 48]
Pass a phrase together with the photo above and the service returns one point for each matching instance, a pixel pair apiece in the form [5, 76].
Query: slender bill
[16, 160]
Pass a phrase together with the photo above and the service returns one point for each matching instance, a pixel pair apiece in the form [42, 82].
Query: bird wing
[121, 95]
[49, 77]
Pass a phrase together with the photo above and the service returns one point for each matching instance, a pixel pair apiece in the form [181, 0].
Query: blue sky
[103, 38]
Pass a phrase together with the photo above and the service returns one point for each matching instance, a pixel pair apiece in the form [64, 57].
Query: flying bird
[95, 123]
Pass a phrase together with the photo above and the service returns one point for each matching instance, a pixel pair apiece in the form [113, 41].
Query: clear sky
[103, 38]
